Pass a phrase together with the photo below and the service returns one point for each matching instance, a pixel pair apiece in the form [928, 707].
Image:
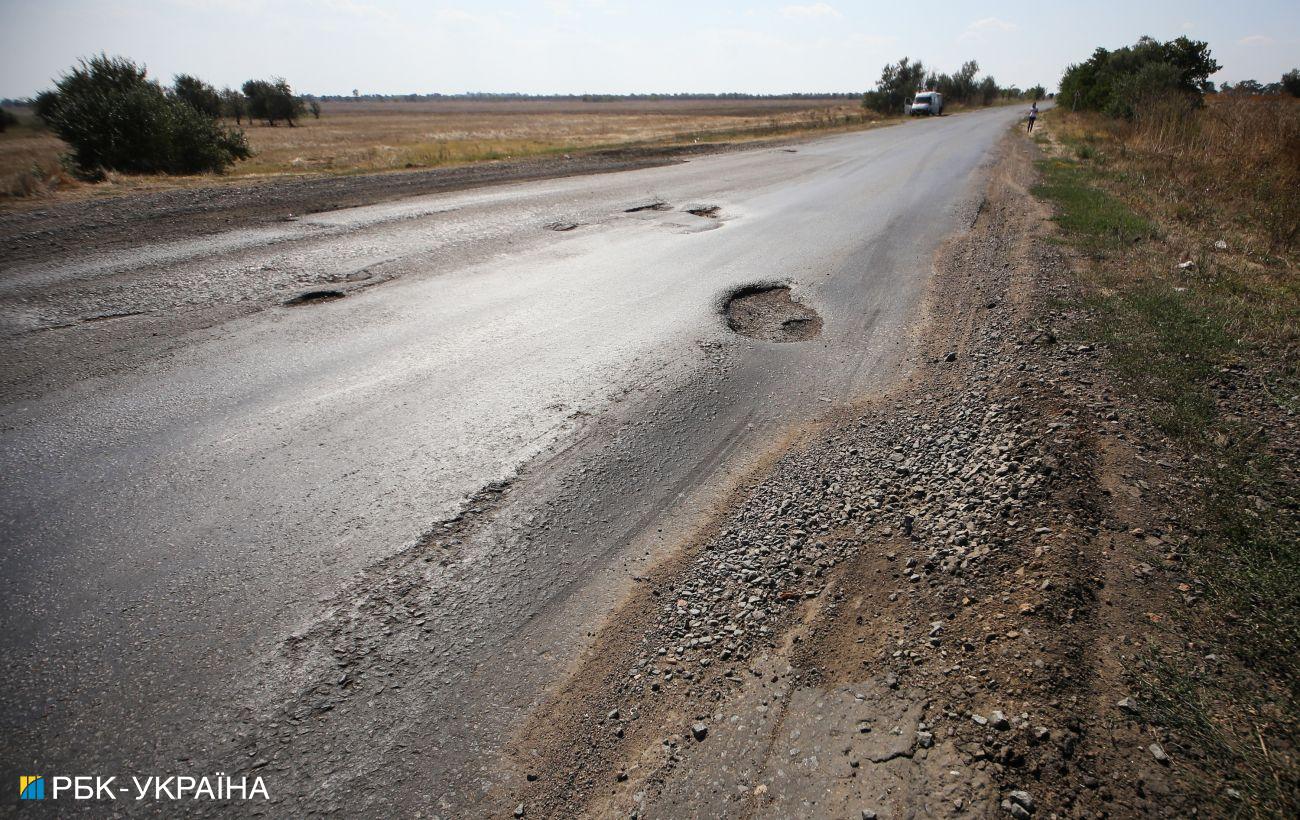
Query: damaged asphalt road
[237, 534]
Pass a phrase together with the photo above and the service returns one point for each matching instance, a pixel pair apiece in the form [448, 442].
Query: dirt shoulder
[932, 604]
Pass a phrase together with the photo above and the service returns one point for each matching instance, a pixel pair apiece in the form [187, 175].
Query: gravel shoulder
[932, 599]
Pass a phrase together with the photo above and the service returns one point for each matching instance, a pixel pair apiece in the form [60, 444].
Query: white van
[929, 103]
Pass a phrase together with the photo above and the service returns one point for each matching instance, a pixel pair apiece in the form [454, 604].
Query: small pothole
[706, 211]
[561, 226]
[311, 297]
[649, 206]
[770, 313]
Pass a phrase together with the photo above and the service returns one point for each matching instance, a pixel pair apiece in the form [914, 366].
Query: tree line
[114, 117]
[483, 96]
[1289, 84]
[900, 81]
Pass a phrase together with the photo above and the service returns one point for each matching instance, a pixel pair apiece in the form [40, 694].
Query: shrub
[7, 119]
[115, 118]
[273, 100]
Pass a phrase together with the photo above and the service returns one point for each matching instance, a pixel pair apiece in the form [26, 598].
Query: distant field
[363, 136]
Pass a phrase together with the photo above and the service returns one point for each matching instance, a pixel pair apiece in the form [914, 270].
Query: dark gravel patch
[770, 313]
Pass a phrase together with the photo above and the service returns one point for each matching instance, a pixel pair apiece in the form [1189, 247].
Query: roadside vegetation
[107, 116]
[108, 123]
[114, 118]
[368, 134]
[900, 81]
[1184, 206]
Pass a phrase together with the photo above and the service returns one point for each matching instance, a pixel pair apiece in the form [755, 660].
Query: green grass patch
[1165, 346]
[1095, 220]
[1253, 782]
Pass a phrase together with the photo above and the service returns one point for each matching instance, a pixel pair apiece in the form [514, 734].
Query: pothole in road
[770, 313]
[561, 226]
[649, 206]
[311, 297]
[707, 211]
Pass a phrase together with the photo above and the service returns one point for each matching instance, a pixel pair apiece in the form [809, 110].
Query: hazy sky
[575, 46]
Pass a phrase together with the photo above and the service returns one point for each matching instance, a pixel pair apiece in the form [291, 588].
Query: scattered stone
[699, 731]
[1020, 799]
[1158, 752]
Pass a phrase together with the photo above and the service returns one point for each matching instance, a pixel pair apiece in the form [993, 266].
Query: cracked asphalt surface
[221, 513]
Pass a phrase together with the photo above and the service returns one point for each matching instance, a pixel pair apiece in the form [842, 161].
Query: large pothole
[771, 313]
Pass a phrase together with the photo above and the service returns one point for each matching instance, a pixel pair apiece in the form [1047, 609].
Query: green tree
[1244, 87]
[234, 105]
[314, 107]
[1036, 93]
[1117, 81]
[115, 118]
[198, 95]
[988, 91]
[1291, 82]
[273, 100]
[965, 88]
[897, 83]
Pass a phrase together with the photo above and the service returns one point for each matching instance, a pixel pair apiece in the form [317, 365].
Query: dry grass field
[367, 136]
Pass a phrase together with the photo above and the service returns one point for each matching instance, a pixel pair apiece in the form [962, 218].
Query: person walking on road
[1033, 114]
